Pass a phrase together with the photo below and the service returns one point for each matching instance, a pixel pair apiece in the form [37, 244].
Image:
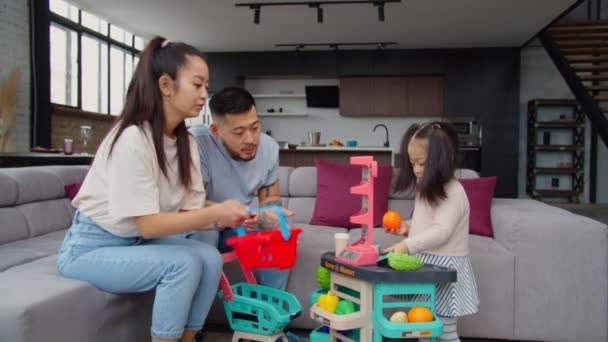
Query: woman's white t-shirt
[130, 182]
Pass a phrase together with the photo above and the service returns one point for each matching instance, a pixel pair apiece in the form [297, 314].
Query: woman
[144, 186]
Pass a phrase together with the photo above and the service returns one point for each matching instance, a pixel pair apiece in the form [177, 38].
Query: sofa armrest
[561, 270]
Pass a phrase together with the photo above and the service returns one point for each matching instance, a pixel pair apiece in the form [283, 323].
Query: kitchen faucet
[386, 130]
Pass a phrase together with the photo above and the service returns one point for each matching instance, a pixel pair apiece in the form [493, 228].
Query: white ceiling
[217, 25]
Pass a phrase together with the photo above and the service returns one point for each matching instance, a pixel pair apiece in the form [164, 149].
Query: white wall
[15, 52]
[324, 120]
[540, 78]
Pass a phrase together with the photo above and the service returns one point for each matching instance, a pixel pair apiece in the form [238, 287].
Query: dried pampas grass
[9, 90]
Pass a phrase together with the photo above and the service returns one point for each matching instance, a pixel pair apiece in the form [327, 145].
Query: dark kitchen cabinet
[392, 95]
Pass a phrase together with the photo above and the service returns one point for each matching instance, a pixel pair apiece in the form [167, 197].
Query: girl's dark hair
[230, 100]
[440, 164]
[144, 101]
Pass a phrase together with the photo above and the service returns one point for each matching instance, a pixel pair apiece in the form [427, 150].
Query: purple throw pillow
[335, 204]
[480, 192]
[71, 190]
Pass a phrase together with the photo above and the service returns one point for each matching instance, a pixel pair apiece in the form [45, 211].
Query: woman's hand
[251, 222]
[400, 247]
[231, 213]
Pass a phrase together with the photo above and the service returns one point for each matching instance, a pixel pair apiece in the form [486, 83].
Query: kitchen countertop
[341, 149]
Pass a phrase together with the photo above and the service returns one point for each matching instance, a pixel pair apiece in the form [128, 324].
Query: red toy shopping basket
[268, 249]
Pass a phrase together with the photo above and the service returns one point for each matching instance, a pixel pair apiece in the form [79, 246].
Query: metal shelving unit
[574, 121]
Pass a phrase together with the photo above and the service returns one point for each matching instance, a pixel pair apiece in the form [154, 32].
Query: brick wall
[65, 123]
[15, 52]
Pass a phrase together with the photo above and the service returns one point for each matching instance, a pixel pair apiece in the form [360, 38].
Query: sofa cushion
[494, 269]
[31, 301]
[35, 184]
[480, 192]
[303, 207]
[13, 225]
[47, 216]
[284, 173]
[23, 251]
[68, 174]
[9, 193]
[303, 182]
[335, 204]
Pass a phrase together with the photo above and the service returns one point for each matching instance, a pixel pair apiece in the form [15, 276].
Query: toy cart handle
[240, 231]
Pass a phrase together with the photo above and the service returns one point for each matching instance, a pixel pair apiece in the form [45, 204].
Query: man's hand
[269, 219]
[400, 247]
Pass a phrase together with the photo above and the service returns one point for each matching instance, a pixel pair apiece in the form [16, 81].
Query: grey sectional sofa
[543, 277]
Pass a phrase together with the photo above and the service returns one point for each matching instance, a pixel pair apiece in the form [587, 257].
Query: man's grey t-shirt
[235, 179]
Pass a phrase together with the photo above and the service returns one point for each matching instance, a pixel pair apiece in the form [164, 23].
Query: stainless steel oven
[468, 129]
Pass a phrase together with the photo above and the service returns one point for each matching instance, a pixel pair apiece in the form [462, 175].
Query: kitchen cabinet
[306, 157]
[422, 95]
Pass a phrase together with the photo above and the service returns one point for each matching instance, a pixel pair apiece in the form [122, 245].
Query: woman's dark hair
[231, 100]
[144, 100]
[440, 164]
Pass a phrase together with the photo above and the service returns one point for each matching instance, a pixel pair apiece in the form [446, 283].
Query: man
[239, 162]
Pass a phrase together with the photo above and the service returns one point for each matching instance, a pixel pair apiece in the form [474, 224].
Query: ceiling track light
[257, 6]
[256, 14]
[336, 46]
[319, 12]
[380, 11]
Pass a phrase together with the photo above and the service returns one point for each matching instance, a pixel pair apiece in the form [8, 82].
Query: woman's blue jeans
[185, 273]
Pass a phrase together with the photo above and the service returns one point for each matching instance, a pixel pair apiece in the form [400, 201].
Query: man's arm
[270, 194]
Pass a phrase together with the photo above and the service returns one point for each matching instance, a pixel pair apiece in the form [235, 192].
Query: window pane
[64, 9]
[139, 43]
[118, 59]
[94, 75]
[121, 35]
[64, 67]
[94, 23]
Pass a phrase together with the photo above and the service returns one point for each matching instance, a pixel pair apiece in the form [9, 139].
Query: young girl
[438, 233]
[145, 185]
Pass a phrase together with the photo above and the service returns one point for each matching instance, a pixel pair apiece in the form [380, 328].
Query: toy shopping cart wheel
[267, 249]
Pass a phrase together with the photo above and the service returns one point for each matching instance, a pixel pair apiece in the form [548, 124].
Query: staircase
[580, 52]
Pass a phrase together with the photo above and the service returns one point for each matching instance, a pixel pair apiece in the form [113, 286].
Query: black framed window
[91, 60]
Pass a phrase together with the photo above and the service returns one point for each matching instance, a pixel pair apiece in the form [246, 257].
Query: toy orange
[391, 221]
[419, 314]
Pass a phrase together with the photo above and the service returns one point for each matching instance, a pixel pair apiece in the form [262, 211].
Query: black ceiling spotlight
[256, 14]
[380, 6]
[257, 6]
[319, 12]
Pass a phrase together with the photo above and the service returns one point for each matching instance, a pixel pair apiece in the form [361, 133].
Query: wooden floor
[223, 334]
[598, 212]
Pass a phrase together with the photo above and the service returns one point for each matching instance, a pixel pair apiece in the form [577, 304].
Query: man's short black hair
[231, 100]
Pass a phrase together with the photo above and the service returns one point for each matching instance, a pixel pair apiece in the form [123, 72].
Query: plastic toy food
[419, 314]
[404, 262]
[399, 317]
[328, 302]
[391, 221]
[345, 307]
[323, 277]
